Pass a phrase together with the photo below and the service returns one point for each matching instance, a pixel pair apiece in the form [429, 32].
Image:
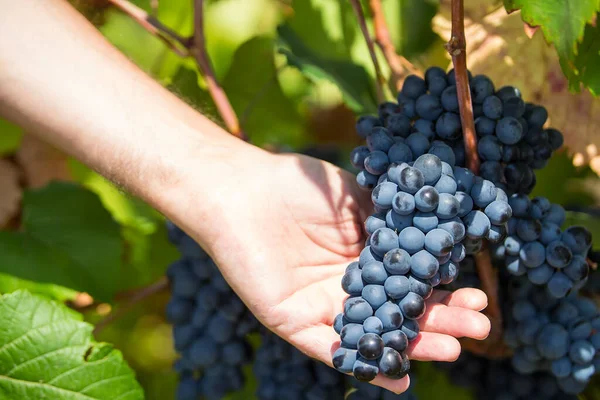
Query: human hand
[284, 245]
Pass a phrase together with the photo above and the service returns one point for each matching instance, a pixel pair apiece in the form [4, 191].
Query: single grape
[426, 199]
[492, 107]
[449, 99]
[422, 287]
[373, 325]
[352, 282]
[428, 106]
[558, 254]
[344, 359]
[398, 125]
[365, 370]
[403, 203]
[365, 124]
[356, 309]
[374, 272]
[366, 180]
[397, 262]
[481, 87]
[424, 265]
[396, 340]
[413, 87]
[533, 254]
[412, 306]
[399, 153]
[390, 316]
[418, 143]
[370, 346]
[448, 126]
[383, 240]
[375, 295]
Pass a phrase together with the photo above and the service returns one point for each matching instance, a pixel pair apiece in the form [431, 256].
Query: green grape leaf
[251, 84]
[563, 24]
[352, 80]
[68, 238]
[9, 284]
[587, 61]
[47, 352]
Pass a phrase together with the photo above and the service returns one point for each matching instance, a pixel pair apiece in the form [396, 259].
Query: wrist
[207, 179]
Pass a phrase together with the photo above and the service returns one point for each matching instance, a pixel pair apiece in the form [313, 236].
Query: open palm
[294, 238]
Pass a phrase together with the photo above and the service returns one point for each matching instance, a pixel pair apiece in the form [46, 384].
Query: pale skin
[282, 228]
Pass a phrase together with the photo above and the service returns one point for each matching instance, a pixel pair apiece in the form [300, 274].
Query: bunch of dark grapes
[283, 372]
[210, 324]
[536, 246]
[414, 245]
[512, 139]
[557, 336]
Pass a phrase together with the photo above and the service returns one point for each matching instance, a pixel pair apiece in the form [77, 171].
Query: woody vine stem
[456, 46]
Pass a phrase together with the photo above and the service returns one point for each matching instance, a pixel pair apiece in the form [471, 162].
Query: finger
[473, 299]
[430, 346]
[455, 321]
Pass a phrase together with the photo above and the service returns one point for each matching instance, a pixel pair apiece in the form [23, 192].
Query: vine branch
[216, 91]
[457, 49]
[134, 297]
[185, 47]
[397, 63]
[381, 81]
[178, 44]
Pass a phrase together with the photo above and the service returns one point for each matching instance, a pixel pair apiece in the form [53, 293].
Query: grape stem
[397, 63]
[380, 79]
[185, 47]
[456, 46]
[130, 299]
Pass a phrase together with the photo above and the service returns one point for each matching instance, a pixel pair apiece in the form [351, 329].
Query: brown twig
[398, 64]
[185, 47]
[457, 49]
[174, 41]
[216, 91]
[136, 297]
[381, 81]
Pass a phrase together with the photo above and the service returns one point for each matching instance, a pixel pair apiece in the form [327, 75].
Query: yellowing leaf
[498, 46]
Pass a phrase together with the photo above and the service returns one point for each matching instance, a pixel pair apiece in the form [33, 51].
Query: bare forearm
[60, 79]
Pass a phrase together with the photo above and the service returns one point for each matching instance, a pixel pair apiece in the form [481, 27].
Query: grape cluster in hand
[414, 245]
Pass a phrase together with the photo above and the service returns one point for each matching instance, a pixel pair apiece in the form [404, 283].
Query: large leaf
[67, 238]
[253, 89]
[352, 80]
[562, 22]
[587, 61]
[47, 352]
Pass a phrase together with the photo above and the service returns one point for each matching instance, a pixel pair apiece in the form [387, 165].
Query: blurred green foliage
[284, 66]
